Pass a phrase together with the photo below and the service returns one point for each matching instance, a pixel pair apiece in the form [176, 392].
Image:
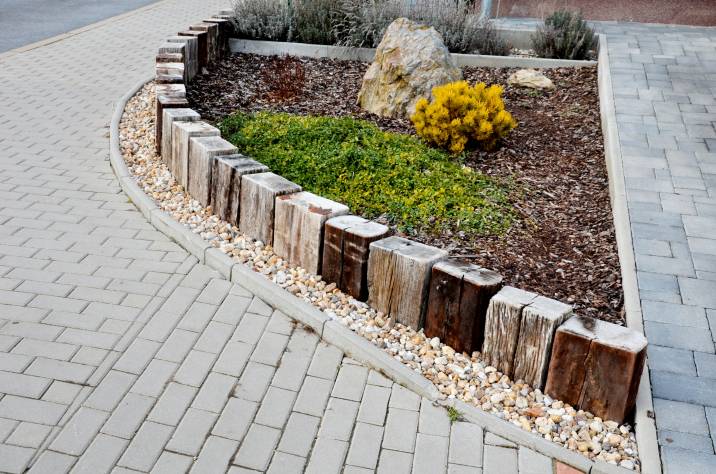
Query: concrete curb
[645, 427]
[268, 48]
[331, 331]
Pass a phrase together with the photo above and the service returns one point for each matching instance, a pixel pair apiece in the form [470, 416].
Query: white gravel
[455, 375]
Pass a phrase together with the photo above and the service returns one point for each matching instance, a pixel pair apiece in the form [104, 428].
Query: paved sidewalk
[664, 82]
[118, 352]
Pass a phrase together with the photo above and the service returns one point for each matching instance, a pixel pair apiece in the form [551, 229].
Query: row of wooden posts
[580, 360]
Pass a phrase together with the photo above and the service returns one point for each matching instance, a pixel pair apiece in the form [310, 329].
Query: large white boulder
[410, 60]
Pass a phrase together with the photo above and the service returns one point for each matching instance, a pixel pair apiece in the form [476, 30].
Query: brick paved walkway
[118, 352]
[665, 95]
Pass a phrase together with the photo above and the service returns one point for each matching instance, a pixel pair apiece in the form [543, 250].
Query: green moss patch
[375, 173]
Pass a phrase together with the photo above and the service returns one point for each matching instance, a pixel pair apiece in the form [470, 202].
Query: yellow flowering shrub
[460, 114]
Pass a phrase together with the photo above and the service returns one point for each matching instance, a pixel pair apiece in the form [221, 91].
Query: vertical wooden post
[502, 327]
[298, 234]
[457, 304]
[597, 366]
[226, 184]
[202, 152]
[398, 278]
[181, 133]
[191, 53]
[345, 252]
[212, 40]
[169, 117]
[258, 202]
[540, 320]
[169, 96]
[201, 45]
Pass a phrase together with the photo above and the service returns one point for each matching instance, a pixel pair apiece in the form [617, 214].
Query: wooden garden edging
[526, 336]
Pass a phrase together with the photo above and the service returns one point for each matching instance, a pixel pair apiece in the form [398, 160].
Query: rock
[530, 78]
[410, 60]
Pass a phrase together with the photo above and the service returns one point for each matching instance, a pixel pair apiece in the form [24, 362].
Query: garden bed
[561, 242]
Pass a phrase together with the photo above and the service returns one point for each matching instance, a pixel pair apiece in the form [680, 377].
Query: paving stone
[235, 420]
[401, 427]
[431, 454]
[275, 407]
[172, 404]
[254, 381]
[50, 462]
[298, 434]
[394, 462]
[338, 420]
[34, 411]
[110, 390]
[327, 456]
[433, 419]
[216, 455]
[233, 358]
[189, 436]
[326, 361]
[152, 381]
[270, 348]
[23, 385]
[532, 462]
[684, 388]
[14, 459]
[374, 406]
[679, 337]
[171, 463]
[128, 416]
[401, 397]
[350, 382]
[676, 439]
[195, 368]
[313, 397]
[667, 359]
[677, 460]
[146, 446]
[101, 455]
[466, 447]
[678, 416]
[76, 436]
[283, 463]
[365, 446]
[28, 435]
[257, 448]
[214, 392]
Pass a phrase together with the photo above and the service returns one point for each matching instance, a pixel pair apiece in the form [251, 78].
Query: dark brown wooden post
[597, 366]
[226, 184]
[457, 304]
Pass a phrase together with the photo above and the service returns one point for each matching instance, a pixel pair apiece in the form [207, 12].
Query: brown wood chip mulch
[562, 247]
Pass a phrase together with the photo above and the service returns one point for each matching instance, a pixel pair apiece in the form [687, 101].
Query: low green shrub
[564, 35]
[375, 173]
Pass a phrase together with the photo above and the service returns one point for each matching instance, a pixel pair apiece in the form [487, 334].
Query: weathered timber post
[191, 53]
[597, 366]
[202, 152]
[201, 46]
[398, 278]
[169, 73]
[345, 252]
[212, 40]
[502, 327]
[457, 304]
[181, 133]
[258, 202]
[298, 230]
[169, 96]
[226, 184]
[225, 29]
[540, 320]
[167, 137]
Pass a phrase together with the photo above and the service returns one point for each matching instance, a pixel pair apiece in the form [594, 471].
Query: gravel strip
[454, 374]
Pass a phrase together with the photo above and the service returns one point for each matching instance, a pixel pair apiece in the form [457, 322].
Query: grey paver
[394, 462]
[338, 419]
[350, 382]
[283, 463]
[189, 436]
[532, 462]
[431, 453]
[79, 432]
[466, 444]
[257, 448]
[365, 445]
[499, 459]
[327, 456]
[433, 419]
[276, 407]
[170, 463]
[313, 397]
[298, 434]
[215, 455]
[146, 446]
[235, 419]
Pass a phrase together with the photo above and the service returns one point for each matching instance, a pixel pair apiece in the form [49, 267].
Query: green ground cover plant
[418, 188]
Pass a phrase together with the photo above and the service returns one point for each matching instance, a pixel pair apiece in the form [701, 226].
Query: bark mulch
[563, 246]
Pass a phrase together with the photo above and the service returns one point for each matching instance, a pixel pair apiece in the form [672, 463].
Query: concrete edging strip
[645, 427]
[269, 48]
